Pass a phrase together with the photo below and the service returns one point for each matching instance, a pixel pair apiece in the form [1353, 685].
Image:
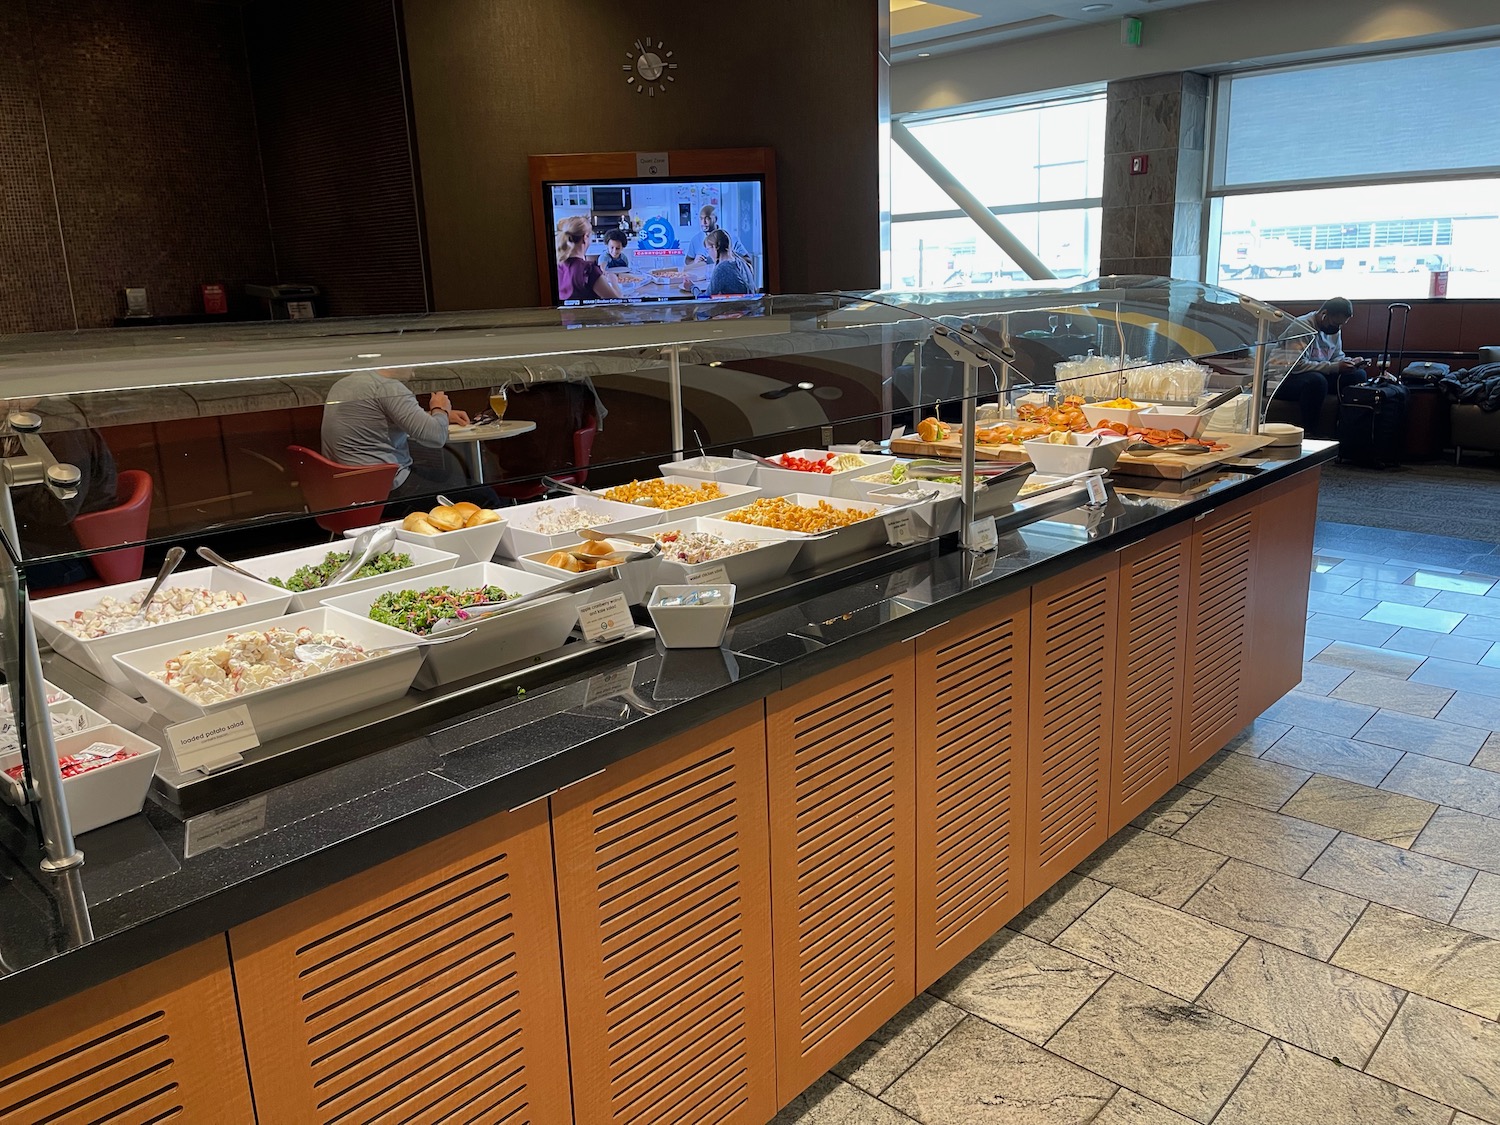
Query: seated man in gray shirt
[372, 418]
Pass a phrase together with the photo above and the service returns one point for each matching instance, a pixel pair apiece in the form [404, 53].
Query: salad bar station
[647, 801]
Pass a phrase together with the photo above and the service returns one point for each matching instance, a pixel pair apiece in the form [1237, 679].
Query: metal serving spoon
[208, 554]
[172, 561]
[315, 652]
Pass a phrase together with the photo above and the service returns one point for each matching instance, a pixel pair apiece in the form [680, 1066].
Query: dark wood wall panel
[33, 278]
[153, 145]
[331, 106]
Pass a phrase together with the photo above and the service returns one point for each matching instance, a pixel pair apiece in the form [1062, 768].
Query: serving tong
[479, 611]
[986, 473]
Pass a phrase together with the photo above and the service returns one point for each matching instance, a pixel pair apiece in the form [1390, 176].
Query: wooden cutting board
[1167, 466]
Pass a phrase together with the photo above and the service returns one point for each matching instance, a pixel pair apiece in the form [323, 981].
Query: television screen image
[657, 240]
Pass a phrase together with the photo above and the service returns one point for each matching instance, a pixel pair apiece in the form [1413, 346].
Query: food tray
[104, 794]
[636, 577]
[467, 544]
[522, 539]
[424, 560]
[295, 706]
[1075, 457]
[735, 495]
[818, 549]
[748, 570]
[783, 482]
[691, 626]
[497, 641]
[97, 655]
[725, 470]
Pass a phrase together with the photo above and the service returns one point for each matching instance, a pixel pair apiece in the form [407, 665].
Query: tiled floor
[1306, 932]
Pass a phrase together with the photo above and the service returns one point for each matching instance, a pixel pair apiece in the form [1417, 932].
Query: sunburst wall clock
[650, 68]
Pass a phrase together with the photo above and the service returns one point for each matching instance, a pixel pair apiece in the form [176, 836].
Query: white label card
[223, 827]
[983, 535]
[609, 685]
[982, 567]
[651, 165]
[605, 619]
[899, 531]
[212, 741]
[715, 574]
[1097, 492]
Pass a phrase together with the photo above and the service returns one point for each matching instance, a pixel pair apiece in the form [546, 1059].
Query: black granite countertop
[154, 883]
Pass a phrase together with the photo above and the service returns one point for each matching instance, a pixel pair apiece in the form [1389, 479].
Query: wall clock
[650, 67]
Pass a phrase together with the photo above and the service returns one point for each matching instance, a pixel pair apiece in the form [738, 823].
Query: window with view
[1361, 178]
[1039, 168]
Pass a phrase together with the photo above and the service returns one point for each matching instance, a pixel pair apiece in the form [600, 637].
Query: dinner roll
[420, 524]
[482, 516]
[466, 508]
[565, 561]
[591, 547]
[449, 519]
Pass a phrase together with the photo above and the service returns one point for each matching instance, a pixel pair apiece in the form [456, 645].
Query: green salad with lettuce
[417, 611]
[316, 575]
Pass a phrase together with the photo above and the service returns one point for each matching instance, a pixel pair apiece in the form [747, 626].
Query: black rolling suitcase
[1372, 414]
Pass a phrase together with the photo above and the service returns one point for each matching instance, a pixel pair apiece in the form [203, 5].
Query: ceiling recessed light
[1097, 7]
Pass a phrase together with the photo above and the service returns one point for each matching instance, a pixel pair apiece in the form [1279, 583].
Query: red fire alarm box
[215, 300]
[1139, 164]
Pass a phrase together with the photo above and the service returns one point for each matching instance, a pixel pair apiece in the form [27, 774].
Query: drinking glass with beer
[498, 402]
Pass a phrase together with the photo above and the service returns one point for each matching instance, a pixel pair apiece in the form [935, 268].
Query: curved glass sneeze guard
[211, 418]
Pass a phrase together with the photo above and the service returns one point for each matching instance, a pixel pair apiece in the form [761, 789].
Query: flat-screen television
[633, 240]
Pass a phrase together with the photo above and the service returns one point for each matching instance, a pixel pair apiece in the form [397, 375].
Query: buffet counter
[735, 864]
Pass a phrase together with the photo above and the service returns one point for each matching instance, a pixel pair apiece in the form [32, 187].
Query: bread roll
[564, 561]
[591, 547]
[466, 508]
[449, 519]
[482, 516]
[420, 524]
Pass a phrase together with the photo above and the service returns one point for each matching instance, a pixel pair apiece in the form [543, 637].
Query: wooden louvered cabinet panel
[425, 990]
[971, 780]
[841, 760]
[156, 1044]
[1070, 716]
[1286, 515]
[1152, 653]
[1218, 637]
[666, 929]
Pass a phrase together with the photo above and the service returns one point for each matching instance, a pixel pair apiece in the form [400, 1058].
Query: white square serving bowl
[294, 706]
[691, 626]
[725, 470]
[862, 535]
[748, 569]
[424, 560]
[734, 495]
[1098, 415]
[637, 577]
[1075, 456]
[1164, 417]
[105, 793]
[467, 544]
[96, 655]
[522, 538]
[496, 641]
[781, 482]
[9, 740]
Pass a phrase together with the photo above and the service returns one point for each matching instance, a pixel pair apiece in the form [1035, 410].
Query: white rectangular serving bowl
[782, 482]
[294, 706]
[735, 496]
[424, 560]
[497, 641]
[522, 539]
[691, 626]
[725, 470]
[844, 541]
[468, 544]
[54, 694]
[748, 569]
[104, 794]
[1164, 417]
[1075, 457]
[96, 655]
[636, 577]
[69, 706]
[941, 516]
[1098, 414]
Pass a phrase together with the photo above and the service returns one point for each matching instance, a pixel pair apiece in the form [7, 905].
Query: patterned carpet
[1437, 498]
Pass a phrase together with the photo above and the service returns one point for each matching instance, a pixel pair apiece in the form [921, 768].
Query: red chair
[126, 522]
[328, 486]
[583, 451]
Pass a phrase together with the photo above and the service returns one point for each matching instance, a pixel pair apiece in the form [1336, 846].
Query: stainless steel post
[46, 775]
[971, 414]
[674, 385]
[1258, 373]
[916, 384]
